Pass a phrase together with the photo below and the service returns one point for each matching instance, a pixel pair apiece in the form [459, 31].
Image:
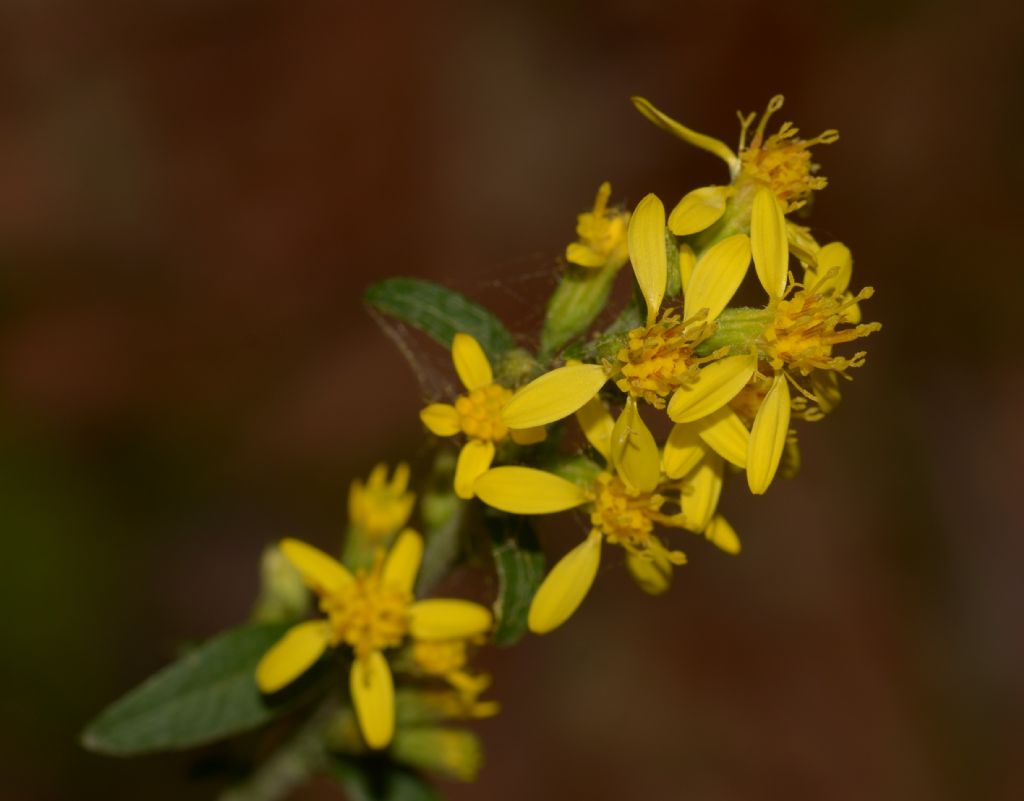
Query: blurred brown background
[194, 196]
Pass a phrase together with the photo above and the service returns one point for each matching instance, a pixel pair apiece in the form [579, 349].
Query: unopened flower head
[477, 414]
[601, 232]
[381, 507]
[370, 612]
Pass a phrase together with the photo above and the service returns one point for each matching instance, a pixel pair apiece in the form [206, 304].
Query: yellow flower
[658, 362]
[625, 502]
[797, 345]
[602, 234]
[477, 414]
[369, 613]
[380, 507]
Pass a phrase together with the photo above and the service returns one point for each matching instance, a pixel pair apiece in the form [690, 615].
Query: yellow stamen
[781, 161]
[366, 614]
[480, 412]
[627, 517]
[660, 358]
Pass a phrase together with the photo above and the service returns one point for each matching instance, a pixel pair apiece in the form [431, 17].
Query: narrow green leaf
[207, 695]
[520, 566]
[377, 779]
[439, 312]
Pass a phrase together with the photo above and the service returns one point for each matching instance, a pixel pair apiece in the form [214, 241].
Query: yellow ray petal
[721, 534]
[683, 450]
[708, 143]
[373, 696]
[647, 253]
[554, 395]
[400, 478]
[768, 242]
[597, 425]
[441, 419]
[322, 573]
[717, 276]
[578, 253]
[835, 256]
[704, 487]
[634, 453]
[403, 561]
[698, 210]
[687, 261]
[470, 362]
[651, 572]
[447, 619]
[292, 655]
[474, 460]
[526, 491]
[802, 244]
[565, 587]
[528, 436]
[719, 382]
[726, 435]
[768, 436]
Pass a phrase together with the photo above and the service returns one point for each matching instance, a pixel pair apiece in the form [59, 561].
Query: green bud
[283, 595]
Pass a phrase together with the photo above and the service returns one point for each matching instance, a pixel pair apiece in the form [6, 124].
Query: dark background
[195, 194]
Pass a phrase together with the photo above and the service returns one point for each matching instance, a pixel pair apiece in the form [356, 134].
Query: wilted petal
[565, 587]
[704, 142]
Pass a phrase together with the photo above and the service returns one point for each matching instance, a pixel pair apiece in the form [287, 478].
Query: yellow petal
[528, 436]
[708, 143]
[597, 425]
[802, 244]
[634, 453]
[565, 587]
[322, 573]
[698, 210]
[768, 242]
[723, 535]
[403, 561]
[768, 436]
[726, 435]
[683, 450]
[719, 382]
[526, 491]
[400, 478]
[292, 655]
[687, 261]
[447, 619]
[470, 362]
[474, 460]
[825, 387]
[441, 419]
[554, 395]
[717, 276]
[373, 696]
[835, 256]
[647, 252]
[704, 487]
[652, 572]
[578, 253]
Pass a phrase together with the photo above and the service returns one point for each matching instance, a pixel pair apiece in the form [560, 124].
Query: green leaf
[378, 779]
[439, 312]
[520, 566]
[207, 695]
[442, 514]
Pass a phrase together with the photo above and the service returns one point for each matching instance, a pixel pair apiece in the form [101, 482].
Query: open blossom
[367, 613]
[477, 415]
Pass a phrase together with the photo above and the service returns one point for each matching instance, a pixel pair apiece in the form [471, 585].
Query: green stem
[738, 329]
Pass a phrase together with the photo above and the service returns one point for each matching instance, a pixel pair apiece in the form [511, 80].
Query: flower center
[782, 161]
[439, 657]
[368, 616]
[807, 326]
[480, 412]
[625, 517]
[658, 359]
